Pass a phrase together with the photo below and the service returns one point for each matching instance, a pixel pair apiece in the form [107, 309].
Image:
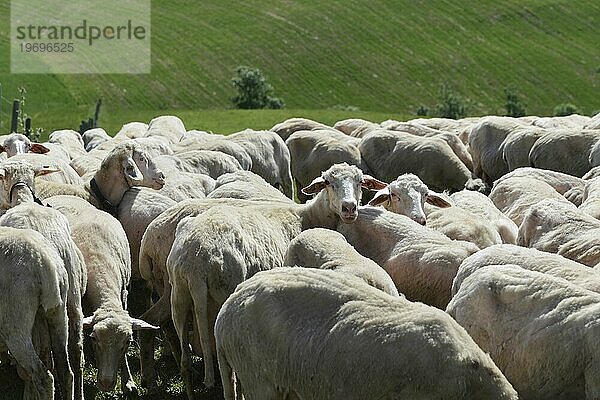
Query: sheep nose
[349, 206]
[421, 220]
[160, 176]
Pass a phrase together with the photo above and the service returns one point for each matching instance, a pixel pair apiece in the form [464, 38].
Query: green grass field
[384, 56]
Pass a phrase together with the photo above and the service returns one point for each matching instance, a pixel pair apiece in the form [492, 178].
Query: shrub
[562, 110]
[422, 111]
[451, 104]
[514, 106]
[253, 90]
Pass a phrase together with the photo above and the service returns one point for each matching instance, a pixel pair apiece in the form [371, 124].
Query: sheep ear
[371, 183]
[315, 186]
[45, 170]
[88, 322]
[380, 197]
[38, 148]
[132, 171]
[138, 324]
[438, 201]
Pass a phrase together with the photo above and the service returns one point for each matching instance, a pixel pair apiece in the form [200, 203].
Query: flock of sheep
[470, 272]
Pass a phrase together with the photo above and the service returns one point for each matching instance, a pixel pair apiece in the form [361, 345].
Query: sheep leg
[127, 383]
[58, 330]
[159, 314]
[39, 383]
[181, 312]
[76, 345]
[200, 296]
[227, 378]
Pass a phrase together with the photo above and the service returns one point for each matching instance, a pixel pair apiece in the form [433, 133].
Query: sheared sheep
[560, 228]
[422, 262]
[327, 249]
[513, 196]
[215, 251]
[541, 331]
[388, 154]
[530, 259]
[315, 334]
[33, 297]
[103, 243]
[480, 205]
[17, 189]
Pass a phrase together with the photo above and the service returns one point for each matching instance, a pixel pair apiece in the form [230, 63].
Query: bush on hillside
[422, 111]
[451, 104]
[514, 106]
[253, 90]
[564, 109]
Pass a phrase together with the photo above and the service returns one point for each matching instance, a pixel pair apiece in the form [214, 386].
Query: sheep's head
[112, 332]
[407, 196]
[342, 184]
[17, 182]
[135, 165]
[15, 143]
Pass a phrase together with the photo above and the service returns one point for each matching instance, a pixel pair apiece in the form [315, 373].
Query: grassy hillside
[380, 55]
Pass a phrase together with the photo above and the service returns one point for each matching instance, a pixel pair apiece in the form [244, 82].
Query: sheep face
[110, 338]
[17, 182]
[112, 332]
[342, 184]
[16, 143]
[407, 196]
[140, 170]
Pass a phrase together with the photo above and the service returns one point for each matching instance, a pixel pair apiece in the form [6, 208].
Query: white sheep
[315, 151]
[70, 140]
[315, 334]
[590, 203]
[103, 243]
[513, 196]
[407, 195]
[564, 150]
[33, 296]
[452, 139]
[461, 127]
[167, 126]
[388, 154]
[25, 214]
[327, 249]
[480, 205]
[270, 157]
[571, 187]
[92, 138]
[65, 175]
[126, 165]
[132, 130]
[289, 126]
[560, 228]
[422, 262]
[573, 121]
[540, 330]
[207, 162]
[215, 251]
[500, 144]
[213, 142]
[245, 185]
[154, 251]
[355, 126]
[16, 143]
[530, 259]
